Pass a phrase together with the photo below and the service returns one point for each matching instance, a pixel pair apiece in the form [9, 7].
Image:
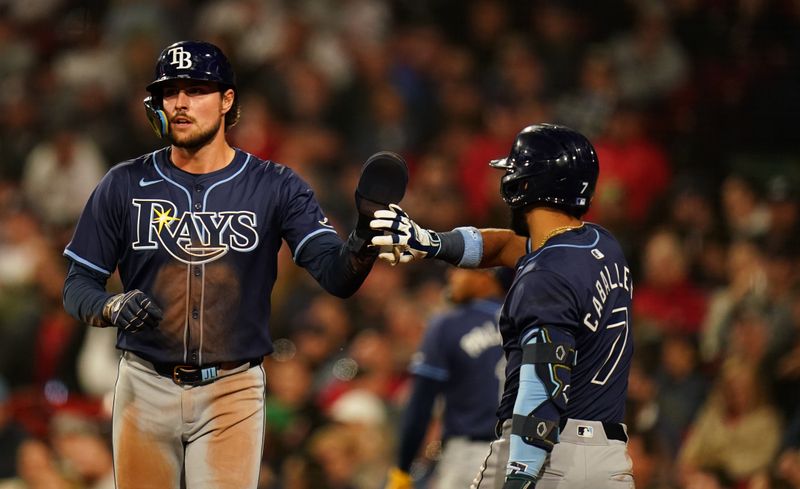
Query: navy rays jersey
[461, 350]
[205, 247]
[580, 283]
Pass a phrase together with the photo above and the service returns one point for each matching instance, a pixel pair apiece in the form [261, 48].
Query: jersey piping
[186, 315]
[169, 180]
[86, 262]
[202, 311]
[307, 238]
[431, 372]
[596, 240]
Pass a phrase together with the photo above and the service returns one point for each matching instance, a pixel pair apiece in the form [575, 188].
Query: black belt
[183, 374]
[481, 438]
[614, 431]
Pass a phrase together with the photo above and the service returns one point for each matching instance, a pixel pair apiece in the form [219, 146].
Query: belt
[183, 374]
[476, 438]
[481, 437]
[614, 431]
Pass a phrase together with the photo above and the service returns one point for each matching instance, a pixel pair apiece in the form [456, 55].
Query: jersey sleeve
[542, 298]
[98, 238]
[302, 218]
[430, 360]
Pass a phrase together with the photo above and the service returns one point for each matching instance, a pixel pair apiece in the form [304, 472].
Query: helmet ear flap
[157, 117]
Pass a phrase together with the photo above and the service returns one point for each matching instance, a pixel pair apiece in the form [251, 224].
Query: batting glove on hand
[403, 240]
[399, 479]
[519, 481]
[132, 311]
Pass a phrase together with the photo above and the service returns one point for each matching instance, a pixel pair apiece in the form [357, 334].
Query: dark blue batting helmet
[552, 166]
[189, 60]
[193, 60]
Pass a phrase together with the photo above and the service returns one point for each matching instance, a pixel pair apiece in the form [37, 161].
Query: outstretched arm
[339, 267]
[467, 247]
[501, 247]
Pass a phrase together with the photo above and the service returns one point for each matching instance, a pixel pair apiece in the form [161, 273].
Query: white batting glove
[402, 240]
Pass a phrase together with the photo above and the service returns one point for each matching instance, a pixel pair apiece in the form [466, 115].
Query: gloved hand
[132, 311]
[399, 479]
[403, 240]
[519, 481]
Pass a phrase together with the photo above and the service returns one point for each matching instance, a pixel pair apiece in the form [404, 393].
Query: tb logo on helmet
[189, 60]
[180, 57]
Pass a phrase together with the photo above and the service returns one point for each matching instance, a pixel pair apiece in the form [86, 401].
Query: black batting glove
[519, 481]
[132, 311]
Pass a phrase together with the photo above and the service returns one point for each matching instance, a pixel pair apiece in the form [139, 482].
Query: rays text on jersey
[192, 237]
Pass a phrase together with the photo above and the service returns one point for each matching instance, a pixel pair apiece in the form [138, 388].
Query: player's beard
[519, 222]
[195, 140]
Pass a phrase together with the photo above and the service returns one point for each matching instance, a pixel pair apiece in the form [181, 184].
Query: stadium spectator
[682, 388]
[649, 63]
[744, 212]
[83, 450]
[737, 435]
[12, 436]
[636, 172]
[60, 173]
[666, 300]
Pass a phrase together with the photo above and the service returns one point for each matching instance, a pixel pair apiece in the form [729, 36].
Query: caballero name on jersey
[192, 237]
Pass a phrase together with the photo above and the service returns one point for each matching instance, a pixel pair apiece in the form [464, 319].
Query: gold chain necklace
[557, 231]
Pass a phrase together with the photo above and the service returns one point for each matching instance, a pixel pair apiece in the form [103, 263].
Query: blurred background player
[565, 322]
[461, 362]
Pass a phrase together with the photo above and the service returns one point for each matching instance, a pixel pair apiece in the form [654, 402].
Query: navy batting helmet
[549, 165]
[189, 60]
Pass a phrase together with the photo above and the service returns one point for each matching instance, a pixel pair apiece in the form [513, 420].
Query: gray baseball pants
[583, 458]
[456, 466]
[206, 436]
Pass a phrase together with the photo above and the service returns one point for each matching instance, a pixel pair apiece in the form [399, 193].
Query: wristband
[462, 247]
[473, 247]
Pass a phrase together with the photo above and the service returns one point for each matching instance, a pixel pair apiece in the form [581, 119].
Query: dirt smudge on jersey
[170, 294]
[206, 297]
[220, 305]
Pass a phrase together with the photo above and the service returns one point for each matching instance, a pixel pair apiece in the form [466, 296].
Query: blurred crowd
[691, 104]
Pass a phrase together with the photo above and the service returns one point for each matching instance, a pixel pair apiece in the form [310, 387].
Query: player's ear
[228, 96]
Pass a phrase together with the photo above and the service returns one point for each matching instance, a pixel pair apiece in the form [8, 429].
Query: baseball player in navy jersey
[461, 360]
[565, 322]
[194, 231]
